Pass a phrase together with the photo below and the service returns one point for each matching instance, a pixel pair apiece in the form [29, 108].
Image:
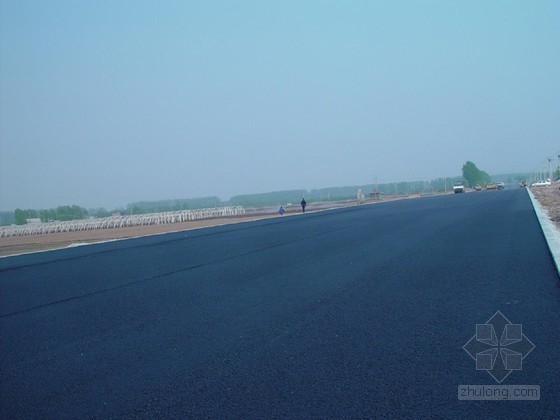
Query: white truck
[458, 187]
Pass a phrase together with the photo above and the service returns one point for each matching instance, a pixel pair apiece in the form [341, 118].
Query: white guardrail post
[121, 221]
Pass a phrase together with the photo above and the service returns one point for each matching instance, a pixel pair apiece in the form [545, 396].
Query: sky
[103, 103]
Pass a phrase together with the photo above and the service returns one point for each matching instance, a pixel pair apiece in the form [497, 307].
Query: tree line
[75, 212]
[62, 213]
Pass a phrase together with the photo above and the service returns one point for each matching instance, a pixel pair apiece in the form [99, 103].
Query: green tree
[473, 175]
[20, 217]
[70, 213]
[44, 215]
[61, 213]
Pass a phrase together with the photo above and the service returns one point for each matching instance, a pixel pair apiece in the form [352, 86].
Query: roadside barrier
[120, 221]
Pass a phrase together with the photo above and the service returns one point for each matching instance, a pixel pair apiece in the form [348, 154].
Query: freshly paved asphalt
[357, 312]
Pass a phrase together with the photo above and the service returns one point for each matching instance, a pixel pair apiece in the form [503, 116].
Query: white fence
[120, 221]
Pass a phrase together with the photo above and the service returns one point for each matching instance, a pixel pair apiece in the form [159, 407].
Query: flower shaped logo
[512, 347]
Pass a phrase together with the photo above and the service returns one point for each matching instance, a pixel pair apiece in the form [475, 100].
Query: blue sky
[105, 103]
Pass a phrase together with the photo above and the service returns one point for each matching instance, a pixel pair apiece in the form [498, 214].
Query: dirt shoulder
[549, 198]
[22, 244]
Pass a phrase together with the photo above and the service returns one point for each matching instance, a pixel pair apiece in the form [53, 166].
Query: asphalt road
[357, 312]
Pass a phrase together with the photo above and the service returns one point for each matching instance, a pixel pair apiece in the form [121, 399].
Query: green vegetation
[20, 217]
[475, 176]
[63, 213]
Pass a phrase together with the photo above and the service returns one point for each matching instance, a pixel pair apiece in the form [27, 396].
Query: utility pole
[549, 170]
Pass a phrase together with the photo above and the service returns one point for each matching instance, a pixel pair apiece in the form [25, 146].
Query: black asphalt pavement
[356, 312]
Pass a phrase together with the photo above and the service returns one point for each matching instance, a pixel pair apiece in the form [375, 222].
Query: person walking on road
[303, 204]
[281, 211]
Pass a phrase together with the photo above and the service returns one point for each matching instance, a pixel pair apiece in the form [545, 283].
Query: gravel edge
[550, 231]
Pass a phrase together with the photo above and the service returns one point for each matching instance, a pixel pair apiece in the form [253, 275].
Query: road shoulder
[550, 231]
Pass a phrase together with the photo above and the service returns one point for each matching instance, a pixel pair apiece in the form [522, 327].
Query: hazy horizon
[117, 206]
[107, 103]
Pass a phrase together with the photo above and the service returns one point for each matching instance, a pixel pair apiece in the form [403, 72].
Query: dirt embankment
[21, 244]
[549, 198]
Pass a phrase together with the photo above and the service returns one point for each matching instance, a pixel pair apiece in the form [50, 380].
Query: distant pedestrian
[303, 204]
[281, 211]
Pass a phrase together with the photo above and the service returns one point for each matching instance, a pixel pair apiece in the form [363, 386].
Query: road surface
[357, 312]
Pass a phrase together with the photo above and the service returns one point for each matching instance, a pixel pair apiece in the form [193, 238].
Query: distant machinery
[120, 221]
